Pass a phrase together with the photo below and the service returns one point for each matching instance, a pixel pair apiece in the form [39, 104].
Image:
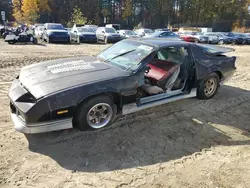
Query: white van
[115, 26]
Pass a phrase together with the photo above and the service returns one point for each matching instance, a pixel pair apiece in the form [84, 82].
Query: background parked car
[200, 38]
[163, 34]
[55, 32]
[128, 34]
[188, 37]
[107, 34]
[212, 38]
[238, 39]
[39, 31]
[83, 34]
[115, 26]
[223, 39]
[246, 38]
[144, 32]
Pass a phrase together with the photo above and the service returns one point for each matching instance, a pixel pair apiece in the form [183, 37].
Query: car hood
[113, 34]
[48, 77]
[87, 33]
[56, 31]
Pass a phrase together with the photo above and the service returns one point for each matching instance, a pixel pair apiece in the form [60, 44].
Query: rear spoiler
[216, 50]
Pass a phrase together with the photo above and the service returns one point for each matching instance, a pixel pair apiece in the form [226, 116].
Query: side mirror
[45, 29]
[75, 31]
[103, 32]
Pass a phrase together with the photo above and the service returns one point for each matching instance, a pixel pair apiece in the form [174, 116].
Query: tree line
[221, 14]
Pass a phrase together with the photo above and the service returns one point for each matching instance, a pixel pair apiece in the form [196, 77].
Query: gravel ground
[189, 143]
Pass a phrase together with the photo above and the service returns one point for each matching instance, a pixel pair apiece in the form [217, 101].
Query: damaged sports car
[134, 74]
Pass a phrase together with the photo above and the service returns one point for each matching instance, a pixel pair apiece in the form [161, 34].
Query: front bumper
[59, 38]
[40, 127]
[88, 39]
[114, 39]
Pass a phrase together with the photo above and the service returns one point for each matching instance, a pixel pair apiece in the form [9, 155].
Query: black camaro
[135, 74]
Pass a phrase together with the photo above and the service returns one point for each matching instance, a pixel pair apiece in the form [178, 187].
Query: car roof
[53, 23]
[160, 42]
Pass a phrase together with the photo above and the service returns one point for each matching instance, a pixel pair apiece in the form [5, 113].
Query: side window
[165, 34]
[175, 54]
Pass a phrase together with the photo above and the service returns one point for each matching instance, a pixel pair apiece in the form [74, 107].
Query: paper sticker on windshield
[146, 48]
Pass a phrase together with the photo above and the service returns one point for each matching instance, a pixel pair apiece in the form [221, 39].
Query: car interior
[166, 73]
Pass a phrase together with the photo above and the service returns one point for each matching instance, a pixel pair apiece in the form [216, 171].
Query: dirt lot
[190, 143]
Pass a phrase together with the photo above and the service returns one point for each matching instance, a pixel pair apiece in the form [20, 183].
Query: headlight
[28, 98]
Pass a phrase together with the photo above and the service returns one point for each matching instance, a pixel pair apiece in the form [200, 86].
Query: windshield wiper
[127, 52]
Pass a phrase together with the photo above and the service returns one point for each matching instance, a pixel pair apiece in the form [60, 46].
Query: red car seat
[163, 72]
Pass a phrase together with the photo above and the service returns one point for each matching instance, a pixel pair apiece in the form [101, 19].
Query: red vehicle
[188, 37]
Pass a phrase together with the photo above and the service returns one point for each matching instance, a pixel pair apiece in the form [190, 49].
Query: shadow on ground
[152, 136]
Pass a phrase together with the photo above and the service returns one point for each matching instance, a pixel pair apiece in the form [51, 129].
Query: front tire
[95, 113]
[221, 42]
[208, 87]
[78, 41]
[47, 40]
[106, 40]
[12, 42]
[35, 41]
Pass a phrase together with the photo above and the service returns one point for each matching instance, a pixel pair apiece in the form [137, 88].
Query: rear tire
[12, 42]
[96, 113]
[208, 87]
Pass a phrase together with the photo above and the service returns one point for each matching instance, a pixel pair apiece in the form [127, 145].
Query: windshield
[55, 26]
[148, 31]
[110, 30]
[129, 33]
[81, 30]
[126, 55]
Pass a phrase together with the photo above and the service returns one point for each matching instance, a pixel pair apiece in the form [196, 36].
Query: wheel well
[116, 97]
[219, 74]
